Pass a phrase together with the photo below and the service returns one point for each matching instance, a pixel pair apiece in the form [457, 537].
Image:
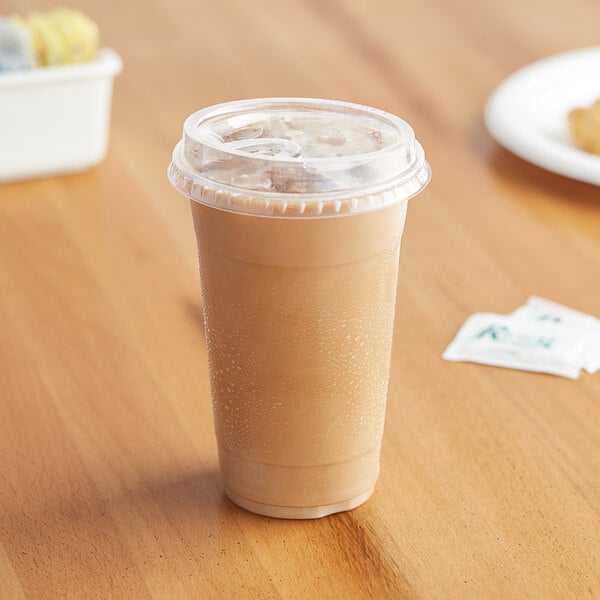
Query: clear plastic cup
[299, 207]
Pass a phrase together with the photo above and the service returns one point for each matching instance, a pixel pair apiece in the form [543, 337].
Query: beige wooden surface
[108, 476]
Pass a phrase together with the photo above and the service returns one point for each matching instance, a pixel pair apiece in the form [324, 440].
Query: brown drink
[299, 207]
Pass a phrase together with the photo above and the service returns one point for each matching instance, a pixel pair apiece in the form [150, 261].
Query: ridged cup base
[298, 512]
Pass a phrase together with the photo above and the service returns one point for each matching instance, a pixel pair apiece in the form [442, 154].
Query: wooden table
[108, 475]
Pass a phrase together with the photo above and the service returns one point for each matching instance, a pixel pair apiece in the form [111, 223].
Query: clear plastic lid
[297, 157]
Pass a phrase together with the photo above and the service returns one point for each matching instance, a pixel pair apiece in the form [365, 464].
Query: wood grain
[490, 484]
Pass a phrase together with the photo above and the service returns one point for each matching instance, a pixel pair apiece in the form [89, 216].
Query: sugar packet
[520, 342]
[556, 316]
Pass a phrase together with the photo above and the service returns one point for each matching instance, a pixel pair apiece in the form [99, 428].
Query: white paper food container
[56, 120]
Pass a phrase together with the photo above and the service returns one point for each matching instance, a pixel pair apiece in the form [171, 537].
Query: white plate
[527, 113]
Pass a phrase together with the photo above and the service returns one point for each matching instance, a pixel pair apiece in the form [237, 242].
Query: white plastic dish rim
[508, 119]
[107, 63]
